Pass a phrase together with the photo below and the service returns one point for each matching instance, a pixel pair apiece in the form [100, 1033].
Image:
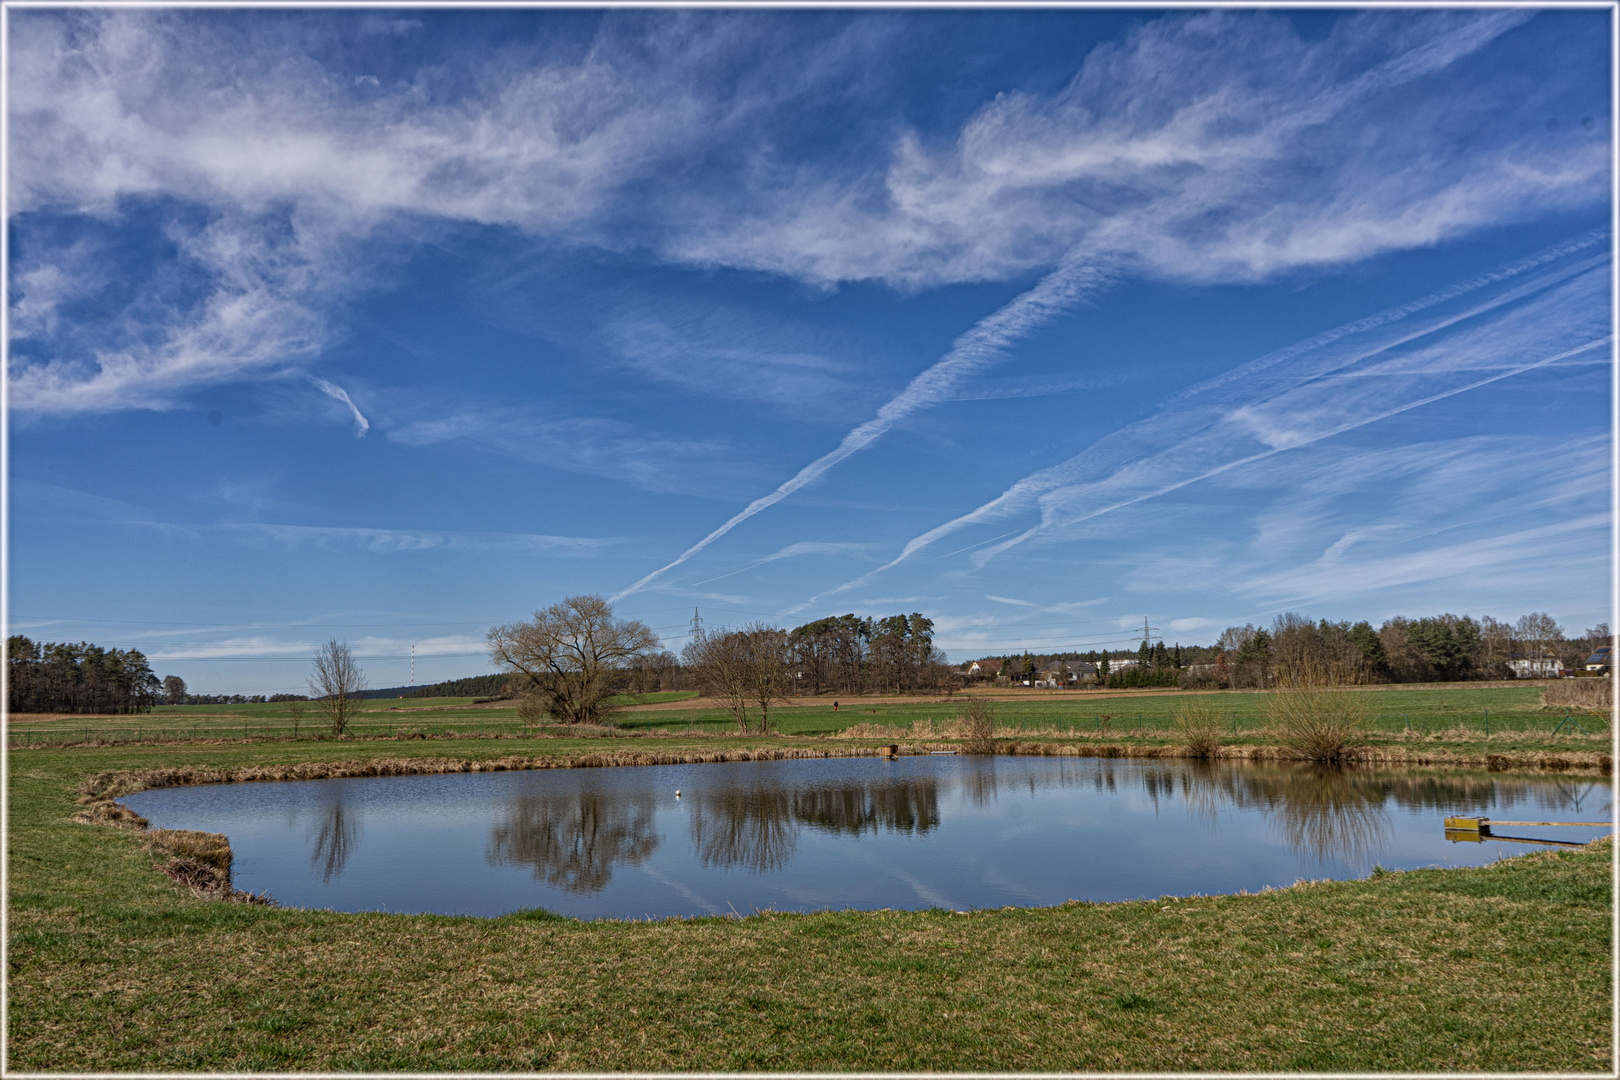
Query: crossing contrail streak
[985, 344]
[1256, 382]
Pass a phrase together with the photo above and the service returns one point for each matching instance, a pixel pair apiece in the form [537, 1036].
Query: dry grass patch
[1592, 695]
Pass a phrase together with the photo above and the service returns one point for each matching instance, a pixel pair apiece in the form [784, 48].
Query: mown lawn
[114, 967]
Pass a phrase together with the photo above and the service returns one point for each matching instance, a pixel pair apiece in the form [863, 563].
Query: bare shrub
[1199, 726]
[977, 722]
[531, 708]
[1594, 694]
[1320, 720]
[336, 683]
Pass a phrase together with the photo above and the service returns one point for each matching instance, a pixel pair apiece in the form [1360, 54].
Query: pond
[804, 835]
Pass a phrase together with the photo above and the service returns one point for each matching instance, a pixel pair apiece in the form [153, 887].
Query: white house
[1542, 667]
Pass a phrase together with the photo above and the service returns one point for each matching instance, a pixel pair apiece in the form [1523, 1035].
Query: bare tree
[1539, 637]
[720, 661]
[766, 649]
[174, 689]
[570, 654]
[336, 683]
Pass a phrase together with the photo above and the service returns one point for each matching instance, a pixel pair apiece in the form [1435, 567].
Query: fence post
[1487, 723]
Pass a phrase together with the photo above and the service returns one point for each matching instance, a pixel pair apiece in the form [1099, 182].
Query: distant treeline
[77, 678]
[1294, 649]
[473, 686]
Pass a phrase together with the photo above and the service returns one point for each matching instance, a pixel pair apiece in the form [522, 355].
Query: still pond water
[946, 831]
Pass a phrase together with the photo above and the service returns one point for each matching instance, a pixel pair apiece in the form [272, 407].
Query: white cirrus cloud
[337, 393]
[1264, 151]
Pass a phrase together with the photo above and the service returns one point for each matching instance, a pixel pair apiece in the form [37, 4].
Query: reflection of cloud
[574, 840]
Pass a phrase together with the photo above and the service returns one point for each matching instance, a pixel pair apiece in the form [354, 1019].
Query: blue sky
[395, 325]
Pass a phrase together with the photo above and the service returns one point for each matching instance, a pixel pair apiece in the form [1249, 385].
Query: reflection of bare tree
[335, 838]
[903, 805]
[1324, 811]
[979, 779]
[1331, 813]
[753, 829]
[574, 840]
[757, 828]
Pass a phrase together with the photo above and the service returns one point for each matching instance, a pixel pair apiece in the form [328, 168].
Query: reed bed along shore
[112, 784]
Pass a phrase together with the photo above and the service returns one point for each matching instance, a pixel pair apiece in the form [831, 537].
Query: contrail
[983, 345]
[1035, 486]
[333, 390]
[988, 341]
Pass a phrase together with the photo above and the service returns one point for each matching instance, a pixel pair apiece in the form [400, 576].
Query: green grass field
[113, 966]
[1399, 710]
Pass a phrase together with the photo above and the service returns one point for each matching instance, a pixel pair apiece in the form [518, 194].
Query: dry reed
[1595, 695]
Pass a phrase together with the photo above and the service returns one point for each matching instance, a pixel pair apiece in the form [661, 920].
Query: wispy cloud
[336, 392]
[1447, 513]
[1214, 147]
[793, 551]
[1266, 152]
[407, 540]
[1541, 312]
[985, 344]
[1188, 178]
[594, 446]
[728, 353]
[364, 648]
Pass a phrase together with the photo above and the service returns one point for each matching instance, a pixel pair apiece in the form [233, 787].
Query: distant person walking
[835, 706]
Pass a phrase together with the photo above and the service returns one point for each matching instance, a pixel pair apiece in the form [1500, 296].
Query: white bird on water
[677, 793]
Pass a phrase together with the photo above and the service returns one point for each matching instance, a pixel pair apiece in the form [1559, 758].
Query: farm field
[1472, 711]
[114, 966]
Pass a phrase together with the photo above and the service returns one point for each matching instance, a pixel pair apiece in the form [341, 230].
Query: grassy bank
[115, 966]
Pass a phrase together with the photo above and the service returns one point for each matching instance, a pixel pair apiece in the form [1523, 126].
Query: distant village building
[1600, 660]
[1538, 667]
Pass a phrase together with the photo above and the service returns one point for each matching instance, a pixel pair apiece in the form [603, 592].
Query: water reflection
[574, 840]
[798, 835]
[1333, 813]
[892, 805]
[748, 829]
[756, 828]
[1330, 813]
[333, 838]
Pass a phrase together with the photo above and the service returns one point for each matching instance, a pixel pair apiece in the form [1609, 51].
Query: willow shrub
[1199, 726]
[977, 723]
[1321, 722]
